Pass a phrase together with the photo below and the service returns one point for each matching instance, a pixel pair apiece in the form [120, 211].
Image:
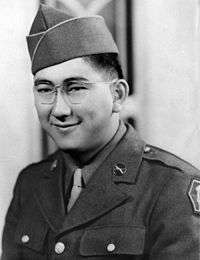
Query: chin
[68, 143]
[68, 146]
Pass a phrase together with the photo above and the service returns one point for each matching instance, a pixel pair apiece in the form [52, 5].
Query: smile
[66, 127]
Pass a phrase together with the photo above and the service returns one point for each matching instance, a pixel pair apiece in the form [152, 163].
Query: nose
[61, 107]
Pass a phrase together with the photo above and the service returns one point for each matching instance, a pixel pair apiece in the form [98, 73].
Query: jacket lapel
[96, 199]
[49, 192]
[101, 193]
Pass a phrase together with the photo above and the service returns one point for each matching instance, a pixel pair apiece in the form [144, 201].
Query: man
[104, 194]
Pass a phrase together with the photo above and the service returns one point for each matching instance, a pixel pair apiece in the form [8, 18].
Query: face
[84, 126]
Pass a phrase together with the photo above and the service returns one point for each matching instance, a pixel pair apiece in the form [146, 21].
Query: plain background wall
[19, 128]
[167, 74]
[167, 80]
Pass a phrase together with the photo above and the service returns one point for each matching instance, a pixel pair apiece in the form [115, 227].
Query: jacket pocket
[31, 234]
[119, 240]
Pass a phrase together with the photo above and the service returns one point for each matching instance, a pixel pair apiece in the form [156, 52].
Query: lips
[65, 127]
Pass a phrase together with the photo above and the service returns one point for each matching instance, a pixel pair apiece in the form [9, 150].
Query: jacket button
[25, 239]
[110, 247]
[59, 248]
[147, 149]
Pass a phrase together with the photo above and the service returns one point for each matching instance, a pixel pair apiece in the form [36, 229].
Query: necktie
[76, 188]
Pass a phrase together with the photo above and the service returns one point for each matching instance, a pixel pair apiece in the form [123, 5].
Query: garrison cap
[56, 37]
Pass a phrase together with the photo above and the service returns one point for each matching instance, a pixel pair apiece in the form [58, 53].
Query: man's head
[78, 100]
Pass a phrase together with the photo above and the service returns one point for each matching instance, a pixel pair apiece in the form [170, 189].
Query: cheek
[98, 109]
[42, 111]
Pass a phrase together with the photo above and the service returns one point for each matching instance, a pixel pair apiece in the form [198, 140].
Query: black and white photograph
[100, 130]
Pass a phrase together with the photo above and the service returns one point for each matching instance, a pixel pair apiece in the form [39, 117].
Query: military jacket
[141, 203]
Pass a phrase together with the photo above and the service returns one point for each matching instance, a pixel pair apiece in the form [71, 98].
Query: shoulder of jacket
[34, 167]
[180, 182]
[168, 159]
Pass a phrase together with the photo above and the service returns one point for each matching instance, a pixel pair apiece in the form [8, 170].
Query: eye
[76, 87]
[44, 88]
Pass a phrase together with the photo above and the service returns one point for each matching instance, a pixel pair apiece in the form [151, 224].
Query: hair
[108, 63]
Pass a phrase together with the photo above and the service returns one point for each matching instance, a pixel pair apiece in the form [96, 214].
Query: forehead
[72, 68]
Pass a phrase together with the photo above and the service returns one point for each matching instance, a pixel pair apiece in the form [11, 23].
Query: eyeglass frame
[62, 86]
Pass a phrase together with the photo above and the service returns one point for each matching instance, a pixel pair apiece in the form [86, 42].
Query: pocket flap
[113, 240]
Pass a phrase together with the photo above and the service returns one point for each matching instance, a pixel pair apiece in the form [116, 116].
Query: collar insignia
[119, 169]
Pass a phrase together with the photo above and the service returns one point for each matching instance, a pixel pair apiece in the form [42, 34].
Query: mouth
[65, 126]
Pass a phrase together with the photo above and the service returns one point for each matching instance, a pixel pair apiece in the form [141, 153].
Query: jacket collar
[101, 193]
[128, 153]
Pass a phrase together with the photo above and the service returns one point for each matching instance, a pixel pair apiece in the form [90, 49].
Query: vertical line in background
[120, 32]
[114, 14]
[197, 62]
[129, 42]
[129, 51]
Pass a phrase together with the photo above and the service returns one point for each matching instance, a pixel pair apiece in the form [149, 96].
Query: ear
[120, 91]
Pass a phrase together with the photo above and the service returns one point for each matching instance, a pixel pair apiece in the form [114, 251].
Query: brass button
[110, 247]
[25, 239]
[59, 248]
[147, 149]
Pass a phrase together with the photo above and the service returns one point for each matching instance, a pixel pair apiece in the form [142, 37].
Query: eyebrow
[39, 81]
[74, 79]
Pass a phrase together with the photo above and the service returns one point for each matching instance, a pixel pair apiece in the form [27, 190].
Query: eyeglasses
[75, 91]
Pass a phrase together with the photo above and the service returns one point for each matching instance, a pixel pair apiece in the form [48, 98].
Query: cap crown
[56, 37]
[46, 18]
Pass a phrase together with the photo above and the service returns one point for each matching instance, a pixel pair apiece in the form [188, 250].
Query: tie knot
[77, 178]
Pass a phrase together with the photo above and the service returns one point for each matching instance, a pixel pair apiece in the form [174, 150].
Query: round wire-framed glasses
[75, 91]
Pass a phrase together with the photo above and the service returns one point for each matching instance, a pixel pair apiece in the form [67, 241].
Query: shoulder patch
[194, 195]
